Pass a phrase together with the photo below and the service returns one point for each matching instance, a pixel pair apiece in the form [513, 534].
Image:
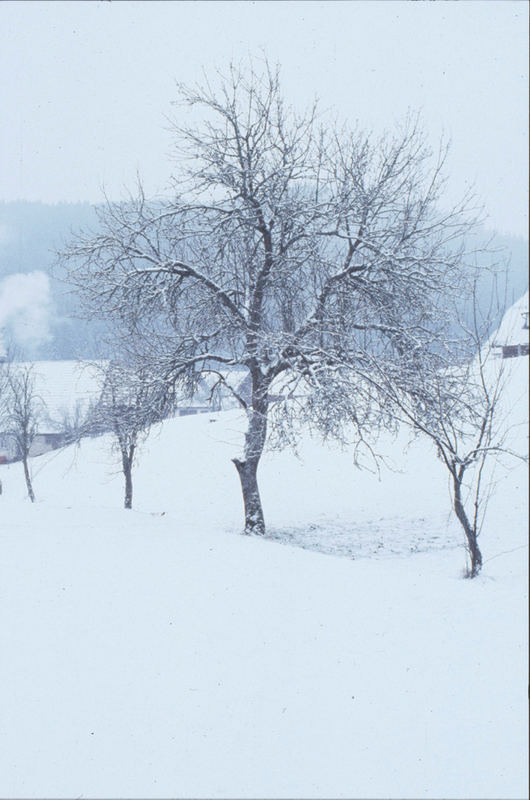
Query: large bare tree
[287, 246]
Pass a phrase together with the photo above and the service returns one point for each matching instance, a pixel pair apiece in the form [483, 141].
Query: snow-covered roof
[63, 387]
[512, 330]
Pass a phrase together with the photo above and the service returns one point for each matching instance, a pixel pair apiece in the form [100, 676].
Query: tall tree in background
[288, 248]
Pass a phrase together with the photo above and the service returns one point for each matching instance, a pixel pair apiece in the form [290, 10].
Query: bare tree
[4, 387]
[24, 411]
[128, 407]
[286, 248]
[5, 363]
[458, 406]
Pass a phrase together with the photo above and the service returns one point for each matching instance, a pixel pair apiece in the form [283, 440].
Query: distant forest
[42, 319]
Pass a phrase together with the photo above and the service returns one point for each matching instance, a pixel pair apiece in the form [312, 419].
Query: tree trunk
[128, 488]
[31, 494]
[127, 472]
[471, 534]
[254, 520]
[248, 467]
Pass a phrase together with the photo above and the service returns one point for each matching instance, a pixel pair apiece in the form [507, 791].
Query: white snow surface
[158, 653]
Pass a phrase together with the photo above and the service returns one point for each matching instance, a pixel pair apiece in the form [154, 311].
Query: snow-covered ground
[158, 653]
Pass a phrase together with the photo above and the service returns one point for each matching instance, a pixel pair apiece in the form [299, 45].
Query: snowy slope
[158, 653]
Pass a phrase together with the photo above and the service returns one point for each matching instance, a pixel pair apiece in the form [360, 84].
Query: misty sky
[86, 86]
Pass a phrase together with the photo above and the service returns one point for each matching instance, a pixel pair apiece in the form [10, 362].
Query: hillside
[158, 653]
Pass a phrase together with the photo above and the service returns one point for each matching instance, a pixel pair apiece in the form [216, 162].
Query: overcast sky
[86, 86]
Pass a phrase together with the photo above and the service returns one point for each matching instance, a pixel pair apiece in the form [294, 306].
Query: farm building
[511, 340]
[64, 391]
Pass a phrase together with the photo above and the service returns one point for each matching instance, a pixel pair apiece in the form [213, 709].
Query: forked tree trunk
[475, 556]
[31, 494]
[248, 467]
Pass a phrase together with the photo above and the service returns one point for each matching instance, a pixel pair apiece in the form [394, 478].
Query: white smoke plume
[25, 308]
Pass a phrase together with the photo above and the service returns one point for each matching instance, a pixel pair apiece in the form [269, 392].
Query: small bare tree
[286, 248]
[24, 412]
[458, 406]
[4, 387]
[128, 407]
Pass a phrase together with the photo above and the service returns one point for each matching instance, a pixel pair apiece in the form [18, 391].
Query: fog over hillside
[39, 314]
[30, 233]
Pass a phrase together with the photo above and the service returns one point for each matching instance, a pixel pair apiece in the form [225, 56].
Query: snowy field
[158, 653]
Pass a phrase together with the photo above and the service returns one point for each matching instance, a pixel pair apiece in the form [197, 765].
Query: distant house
[513, 350]
[225, 388]
[64, 391]
[511, 342]
[220, 389]
[42, 443]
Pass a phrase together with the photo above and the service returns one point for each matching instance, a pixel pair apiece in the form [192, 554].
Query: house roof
[63, 387]
[511, 330]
